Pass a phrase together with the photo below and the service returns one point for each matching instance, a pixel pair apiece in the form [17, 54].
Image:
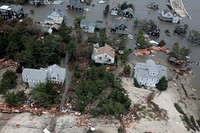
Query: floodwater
[96, 13]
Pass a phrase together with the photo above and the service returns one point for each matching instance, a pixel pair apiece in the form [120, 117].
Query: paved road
[67, 82]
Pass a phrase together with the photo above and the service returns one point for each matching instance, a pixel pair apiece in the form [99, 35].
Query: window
[53, 77]
[100, 58]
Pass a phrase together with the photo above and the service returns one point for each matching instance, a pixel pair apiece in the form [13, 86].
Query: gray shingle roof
[86, 22]
[35, 74]
[61, 72]
[149, 72]
[77, 4]
[16, 8]
[120, 22]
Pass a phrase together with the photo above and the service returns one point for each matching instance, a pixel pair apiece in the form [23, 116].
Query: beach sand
[165, 100]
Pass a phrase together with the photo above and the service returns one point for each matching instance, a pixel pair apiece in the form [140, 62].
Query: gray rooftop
[77, 4]
[120, 22]
[86, 22]
[130, 10]
[35, 74]
[16, 8]
[61, 72]
[149, 72]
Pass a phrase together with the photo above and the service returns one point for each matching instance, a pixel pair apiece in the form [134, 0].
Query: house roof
[61, 72]
[85, 22]
[56, 12]
[77, 3]
[144, 70]
[99, 25]
[35, 74]
[105, 49]
[55, 26]
[16, 8]
[130, 10]
[5, 7]
[120, 22]
[168, 11]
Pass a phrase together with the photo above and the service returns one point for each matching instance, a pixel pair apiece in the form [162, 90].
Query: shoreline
[166, 100]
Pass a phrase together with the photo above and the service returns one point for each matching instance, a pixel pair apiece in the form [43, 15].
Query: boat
[153, 6]
[101, 1]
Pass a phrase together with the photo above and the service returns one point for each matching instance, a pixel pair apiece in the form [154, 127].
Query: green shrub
[194, 123]
[178, 108]
[136, 84]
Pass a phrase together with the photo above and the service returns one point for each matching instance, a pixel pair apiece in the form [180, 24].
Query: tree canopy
[45, 95]
[141, 42]
[15, 99]
[194, 37]
[95, 83]
[8, 81]
[178, 52]
[162, 85]
[181, 29]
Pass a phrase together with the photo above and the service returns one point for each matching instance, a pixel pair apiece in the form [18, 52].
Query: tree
[3, 44]
[8, 81]
[125, 55]
[124, 6]
[162, 84]
[15, 99]
[178, 52]
[136, 84]
[77, 20]
[45, 95]
[103, 36]
[141, 42]
[162, 43]
[194, 37]
[106, 10]
[64, 31]
[127, 70]
[71, 47]
[181, 29]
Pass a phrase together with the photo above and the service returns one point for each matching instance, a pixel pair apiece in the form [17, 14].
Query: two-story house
[34, 76]
[10, 12]
[149, 73]
[120, 27]
[89, 26]
[55, 17]
[53, 74]
[169, 16]
[129, 12]
[56, 74]
[104, 55]
[78, 5]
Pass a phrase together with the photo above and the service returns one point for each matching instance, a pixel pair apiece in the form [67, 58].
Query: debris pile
[151, 50]
[7, 63]
[5, 108]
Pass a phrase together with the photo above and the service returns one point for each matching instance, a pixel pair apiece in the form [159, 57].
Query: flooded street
[96, 13]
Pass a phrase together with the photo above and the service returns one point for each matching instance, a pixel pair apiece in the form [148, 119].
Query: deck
[178, 7]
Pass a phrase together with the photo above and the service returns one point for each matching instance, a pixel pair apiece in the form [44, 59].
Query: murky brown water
[96, 13]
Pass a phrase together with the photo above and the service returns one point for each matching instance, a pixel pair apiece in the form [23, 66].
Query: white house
[56, 74]
[114, 11]
[104, 55]
[34, 77]
[87, 26]
[149, 74]
[169, 16]
[53, 74]
[55, 17]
